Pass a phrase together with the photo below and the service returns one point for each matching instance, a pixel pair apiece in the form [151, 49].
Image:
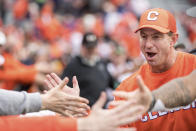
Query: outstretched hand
[63, 99]
[110, 119]
[52, 80]
[142, 95]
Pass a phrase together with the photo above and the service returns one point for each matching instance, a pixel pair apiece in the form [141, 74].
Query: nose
[148, 43]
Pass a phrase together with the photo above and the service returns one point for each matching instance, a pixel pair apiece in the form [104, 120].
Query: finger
[124, 106]
[62, 112]
[131, 112]
[134, 95]
[121, 94]
[69, 90]
[79, 115]
[100, 102]
[129, 120]
[116, 103]
[77, 98]
[56, 78]
[75, 114]
[45, 91]
[63, 83]
[48, 84]
[75, 83]
[51, 81]
[126, 129]
[77, 110]
[141, 84]
[78, 104]
[68, 113]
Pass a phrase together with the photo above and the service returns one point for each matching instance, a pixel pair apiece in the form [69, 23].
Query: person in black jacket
[91, 71]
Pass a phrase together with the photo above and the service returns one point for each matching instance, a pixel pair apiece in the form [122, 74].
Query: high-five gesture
[63, 99]
[110, 119]
[142, 95]
[52, 80]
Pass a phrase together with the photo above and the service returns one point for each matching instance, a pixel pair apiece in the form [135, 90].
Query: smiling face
[157, 46]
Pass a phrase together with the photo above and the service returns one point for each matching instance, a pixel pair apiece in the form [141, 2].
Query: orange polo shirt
[176, 120]
[44, 123]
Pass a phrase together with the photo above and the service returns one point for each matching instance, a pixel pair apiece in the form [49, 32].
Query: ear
[174, 39]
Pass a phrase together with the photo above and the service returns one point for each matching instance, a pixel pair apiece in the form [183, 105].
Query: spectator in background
[180, 47]
[13, 72]
[189, 23]
[120, 67]
[91, 71]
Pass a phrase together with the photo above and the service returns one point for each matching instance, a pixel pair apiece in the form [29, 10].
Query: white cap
[191, 11]
[3, 39]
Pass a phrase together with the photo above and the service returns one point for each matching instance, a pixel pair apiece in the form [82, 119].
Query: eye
[156, 37]
[143, 36]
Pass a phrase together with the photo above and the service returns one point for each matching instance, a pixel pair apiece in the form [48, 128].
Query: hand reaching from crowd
[111, 119]
[142, 95]
[63, 99]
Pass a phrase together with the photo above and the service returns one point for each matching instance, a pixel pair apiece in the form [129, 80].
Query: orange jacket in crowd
[13, 72]
[176, 120]
[20, 9]
[44, 123]
[124, 34]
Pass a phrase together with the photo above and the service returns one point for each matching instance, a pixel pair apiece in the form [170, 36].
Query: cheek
[164, 49]
[142, 46]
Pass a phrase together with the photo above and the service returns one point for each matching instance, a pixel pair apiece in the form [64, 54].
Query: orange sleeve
[45, 123]
[13, 70]
[20, 75]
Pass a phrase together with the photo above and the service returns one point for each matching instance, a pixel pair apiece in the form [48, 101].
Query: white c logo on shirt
[152, 18]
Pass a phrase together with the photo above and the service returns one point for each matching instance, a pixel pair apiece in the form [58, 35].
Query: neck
[167, 65]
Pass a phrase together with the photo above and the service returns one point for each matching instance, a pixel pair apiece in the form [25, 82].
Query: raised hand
[110, 119]
[52, 80]
[142, 95]
[63, 99]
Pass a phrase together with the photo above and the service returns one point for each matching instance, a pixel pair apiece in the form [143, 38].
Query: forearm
[178, 92]
[12, 102]
[18, 75]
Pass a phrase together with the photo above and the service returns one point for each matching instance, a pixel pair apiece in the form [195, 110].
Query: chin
[152, 63]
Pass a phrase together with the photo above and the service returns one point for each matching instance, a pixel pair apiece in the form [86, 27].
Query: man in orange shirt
[158, 35]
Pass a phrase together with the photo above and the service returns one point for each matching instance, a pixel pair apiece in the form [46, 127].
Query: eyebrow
[156, 33]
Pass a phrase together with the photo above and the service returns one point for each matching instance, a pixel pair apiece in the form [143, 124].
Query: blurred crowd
[41, 36]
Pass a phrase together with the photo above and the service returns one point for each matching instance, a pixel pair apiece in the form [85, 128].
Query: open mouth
[150, 54]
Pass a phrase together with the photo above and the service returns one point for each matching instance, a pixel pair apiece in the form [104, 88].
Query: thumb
[141, 84]
[75, 83]
[100, 102]
[63, 83]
